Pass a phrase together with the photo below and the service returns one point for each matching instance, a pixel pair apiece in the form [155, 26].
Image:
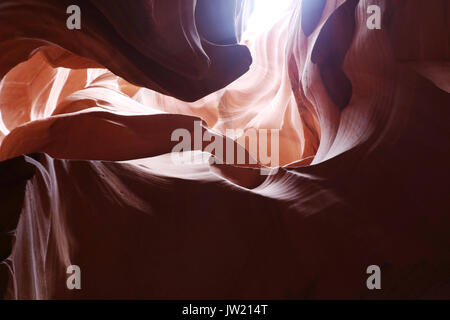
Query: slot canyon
[361, 174]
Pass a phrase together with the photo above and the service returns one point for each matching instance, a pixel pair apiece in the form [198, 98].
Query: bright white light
[266, 13]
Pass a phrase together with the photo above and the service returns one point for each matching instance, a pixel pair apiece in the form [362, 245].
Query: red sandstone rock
[363, 146]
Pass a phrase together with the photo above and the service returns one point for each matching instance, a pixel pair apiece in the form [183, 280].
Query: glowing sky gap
[265, 14]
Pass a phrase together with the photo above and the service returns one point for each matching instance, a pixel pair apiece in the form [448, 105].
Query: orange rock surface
[87, 179]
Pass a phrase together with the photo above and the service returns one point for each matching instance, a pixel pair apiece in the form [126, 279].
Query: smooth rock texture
[85, 127]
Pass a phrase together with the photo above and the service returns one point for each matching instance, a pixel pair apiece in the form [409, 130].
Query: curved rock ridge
[88, 177]
[162, 49]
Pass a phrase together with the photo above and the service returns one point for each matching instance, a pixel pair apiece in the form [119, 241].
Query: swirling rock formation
[87, 178]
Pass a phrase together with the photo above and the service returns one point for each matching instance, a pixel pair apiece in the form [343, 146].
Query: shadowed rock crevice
[330, 49]
[14, 175]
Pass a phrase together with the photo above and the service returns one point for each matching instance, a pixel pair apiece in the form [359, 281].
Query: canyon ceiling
[87, 177]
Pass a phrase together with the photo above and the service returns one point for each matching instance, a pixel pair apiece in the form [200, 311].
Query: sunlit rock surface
[87, 178]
